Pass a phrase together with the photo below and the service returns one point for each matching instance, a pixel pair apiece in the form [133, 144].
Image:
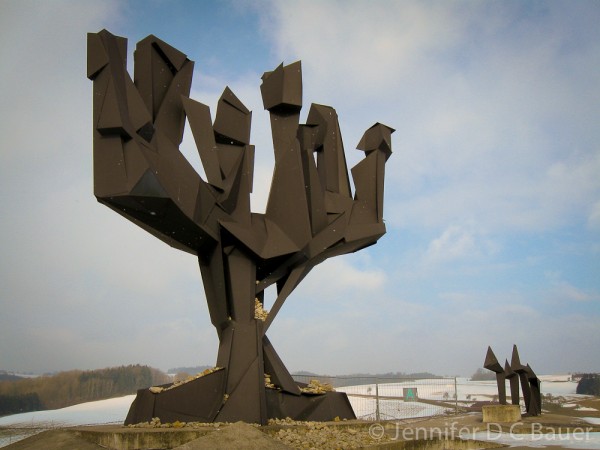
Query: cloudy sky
[492, 193]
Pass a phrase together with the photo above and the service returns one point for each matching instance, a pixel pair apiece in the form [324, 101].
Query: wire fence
[374, 398]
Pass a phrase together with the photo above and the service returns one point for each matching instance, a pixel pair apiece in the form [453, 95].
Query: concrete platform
[501, 413]
[430, 433]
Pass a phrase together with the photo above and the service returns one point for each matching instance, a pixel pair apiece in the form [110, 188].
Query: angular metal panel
[233, 120]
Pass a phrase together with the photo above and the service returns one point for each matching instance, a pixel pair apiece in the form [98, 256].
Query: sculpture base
[202, 399]
[501, 413]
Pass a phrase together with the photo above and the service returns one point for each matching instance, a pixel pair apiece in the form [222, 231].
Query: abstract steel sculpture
[310, 216]
[515, 372]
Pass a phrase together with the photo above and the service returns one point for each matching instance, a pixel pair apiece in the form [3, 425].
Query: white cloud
[339, 275]
[560, 290]
[341, 42]
[593, 221]
[570, 292]
[485, 118]
[454, 243]
[458, 244]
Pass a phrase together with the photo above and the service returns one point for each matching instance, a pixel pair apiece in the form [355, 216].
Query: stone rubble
[268, 383]
[156, 423]
[321, 435]
[259, 312]
[316, 387]
[293, 433]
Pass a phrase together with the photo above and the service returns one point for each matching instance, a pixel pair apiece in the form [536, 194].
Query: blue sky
[492, 194]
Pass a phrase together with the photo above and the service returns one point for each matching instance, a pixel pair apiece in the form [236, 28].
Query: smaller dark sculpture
[515, 372]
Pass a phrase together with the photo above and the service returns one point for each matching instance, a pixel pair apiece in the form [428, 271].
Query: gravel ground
[285, 434]
[296, 434]
[319, 435]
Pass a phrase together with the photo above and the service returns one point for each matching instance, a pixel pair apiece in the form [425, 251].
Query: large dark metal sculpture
[311, 214]
[515, 372]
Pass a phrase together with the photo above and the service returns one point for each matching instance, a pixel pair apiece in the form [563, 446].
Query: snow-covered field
[108, 411]
[112, 410]
[432, 391]
[578, 440]
[361, 397]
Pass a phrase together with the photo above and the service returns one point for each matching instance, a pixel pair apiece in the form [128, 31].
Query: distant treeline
[75, 386]
[9, 377]
[360, 378]
[188, 370]
[11, 404]
[589, 384]
[483, 375]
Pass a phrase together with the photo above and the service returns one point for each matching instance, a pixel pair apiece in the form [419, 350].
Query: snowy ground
[432, 391]
[23, 425]
[114, 410]
[364, 402]
[578, 440]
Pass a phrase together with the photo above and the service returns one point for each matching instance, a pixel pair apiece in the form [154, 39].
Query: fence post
[377, 399]
[455, 397]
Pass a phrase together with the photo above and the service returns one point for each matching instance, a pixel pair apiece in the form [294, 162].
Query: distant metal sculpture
[515, 372]
[311, 214]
